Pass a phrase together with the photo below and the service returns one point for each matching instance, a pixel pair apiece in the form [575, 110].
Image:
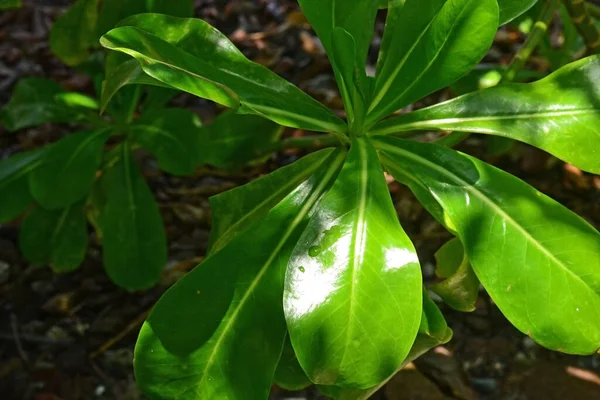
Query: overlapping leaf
[74, 32]
[14, 183]
[559, 114]
[219, 332]
[289, 374]
[537, 260]
[353, 287]
[190, 55]
[511, 9]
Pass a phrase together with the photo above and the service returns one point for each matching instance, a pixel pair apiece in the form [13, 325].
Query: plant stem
[308, 142]
[583, 23]
[533, 40]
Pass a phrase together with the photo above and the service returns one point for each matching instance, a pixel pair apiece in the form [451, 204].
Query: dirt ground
[71, 337]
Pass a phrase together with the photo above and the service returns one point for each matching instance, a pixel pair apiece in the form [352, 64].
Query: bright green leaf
[14, 183]
[218, 333]
[448, 258]
[235, 210]
[289, 375]
[74, 32]
[427, 46]
[537, 260]
[559, 114]
[190, 55]
[58, 237]
[172, 136]
[68, 169]
[511, 9]
[353, 272]
[134, 242]
[233, 140]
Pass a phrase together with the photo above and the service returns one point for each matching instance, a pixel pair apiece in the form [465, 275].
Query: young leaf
[14, 183]
[558, 114]
[289, 375]
[134, 242]
[427, 46]
[511, 9]
[353, 272]
[190, 55]
[74, 32]
[235, 210]
[233, 140]
[172, 136]
[461, 287]
[59, 237]
[69, 169]
[36, 101]
[218, 333]
[537, 260]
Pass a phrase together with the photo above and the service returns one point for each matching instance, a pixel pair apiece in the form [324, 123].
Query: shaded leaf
[74, 32]
[537, 260]
[289, 375]
[68, 169]
[559, 114]
[8, 4]
[190, 55]
[353, 272]
[218, 333]
[511, 9]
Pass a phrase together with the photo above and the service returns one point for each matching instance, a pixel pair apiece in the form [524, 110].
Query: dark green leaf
[172, 136]
[74, 32]
[233, 140]
[289, 375]
[190, 55]
[235, 210]
[559, 114]
[537, 260]
[134, 242]
[14, 183]
[36, 101]
[461, 287]
[68, 169]
[218, 333]
[427, 46]
[353, 272]
[8, 4]
[59, 237]
[511, 9]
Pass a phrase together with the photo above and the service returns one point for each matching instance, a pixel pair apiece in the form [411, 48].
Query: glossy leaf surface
[58, 237]
[427, 46]
[236, 209]
[353, 287]
[511, 9]
[134, 243]
[289, 375]
[14, 183]
[171, 135]
[460, 287]
[559, 114]
[537, 260]
[218, 333]
[190, 55]
[233, 140]
[68, 169]
[74, 32]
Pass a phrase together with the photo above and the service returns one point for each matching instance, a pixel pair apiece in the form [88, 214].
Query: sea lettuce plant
[310, 276]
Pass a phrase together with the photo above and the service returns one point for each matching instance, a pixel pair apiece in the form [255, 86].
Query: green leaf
[289, 375]
[8, 4]
[433, 331]
[68, 169]
[461, 287]
[511, 9]
[558, 114]
[232, 140]
[134, 242]
[427, 46]
[190, 55]
[537, 260]
[59, 237]
[74, 32]
[353, 272]
[14, 183]
[233, 211]
[36, 101]
[172, 136]
[218, 333]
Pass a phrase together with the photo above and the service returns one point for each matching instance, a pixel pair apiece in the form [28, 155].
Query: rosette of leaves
[310, 277]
